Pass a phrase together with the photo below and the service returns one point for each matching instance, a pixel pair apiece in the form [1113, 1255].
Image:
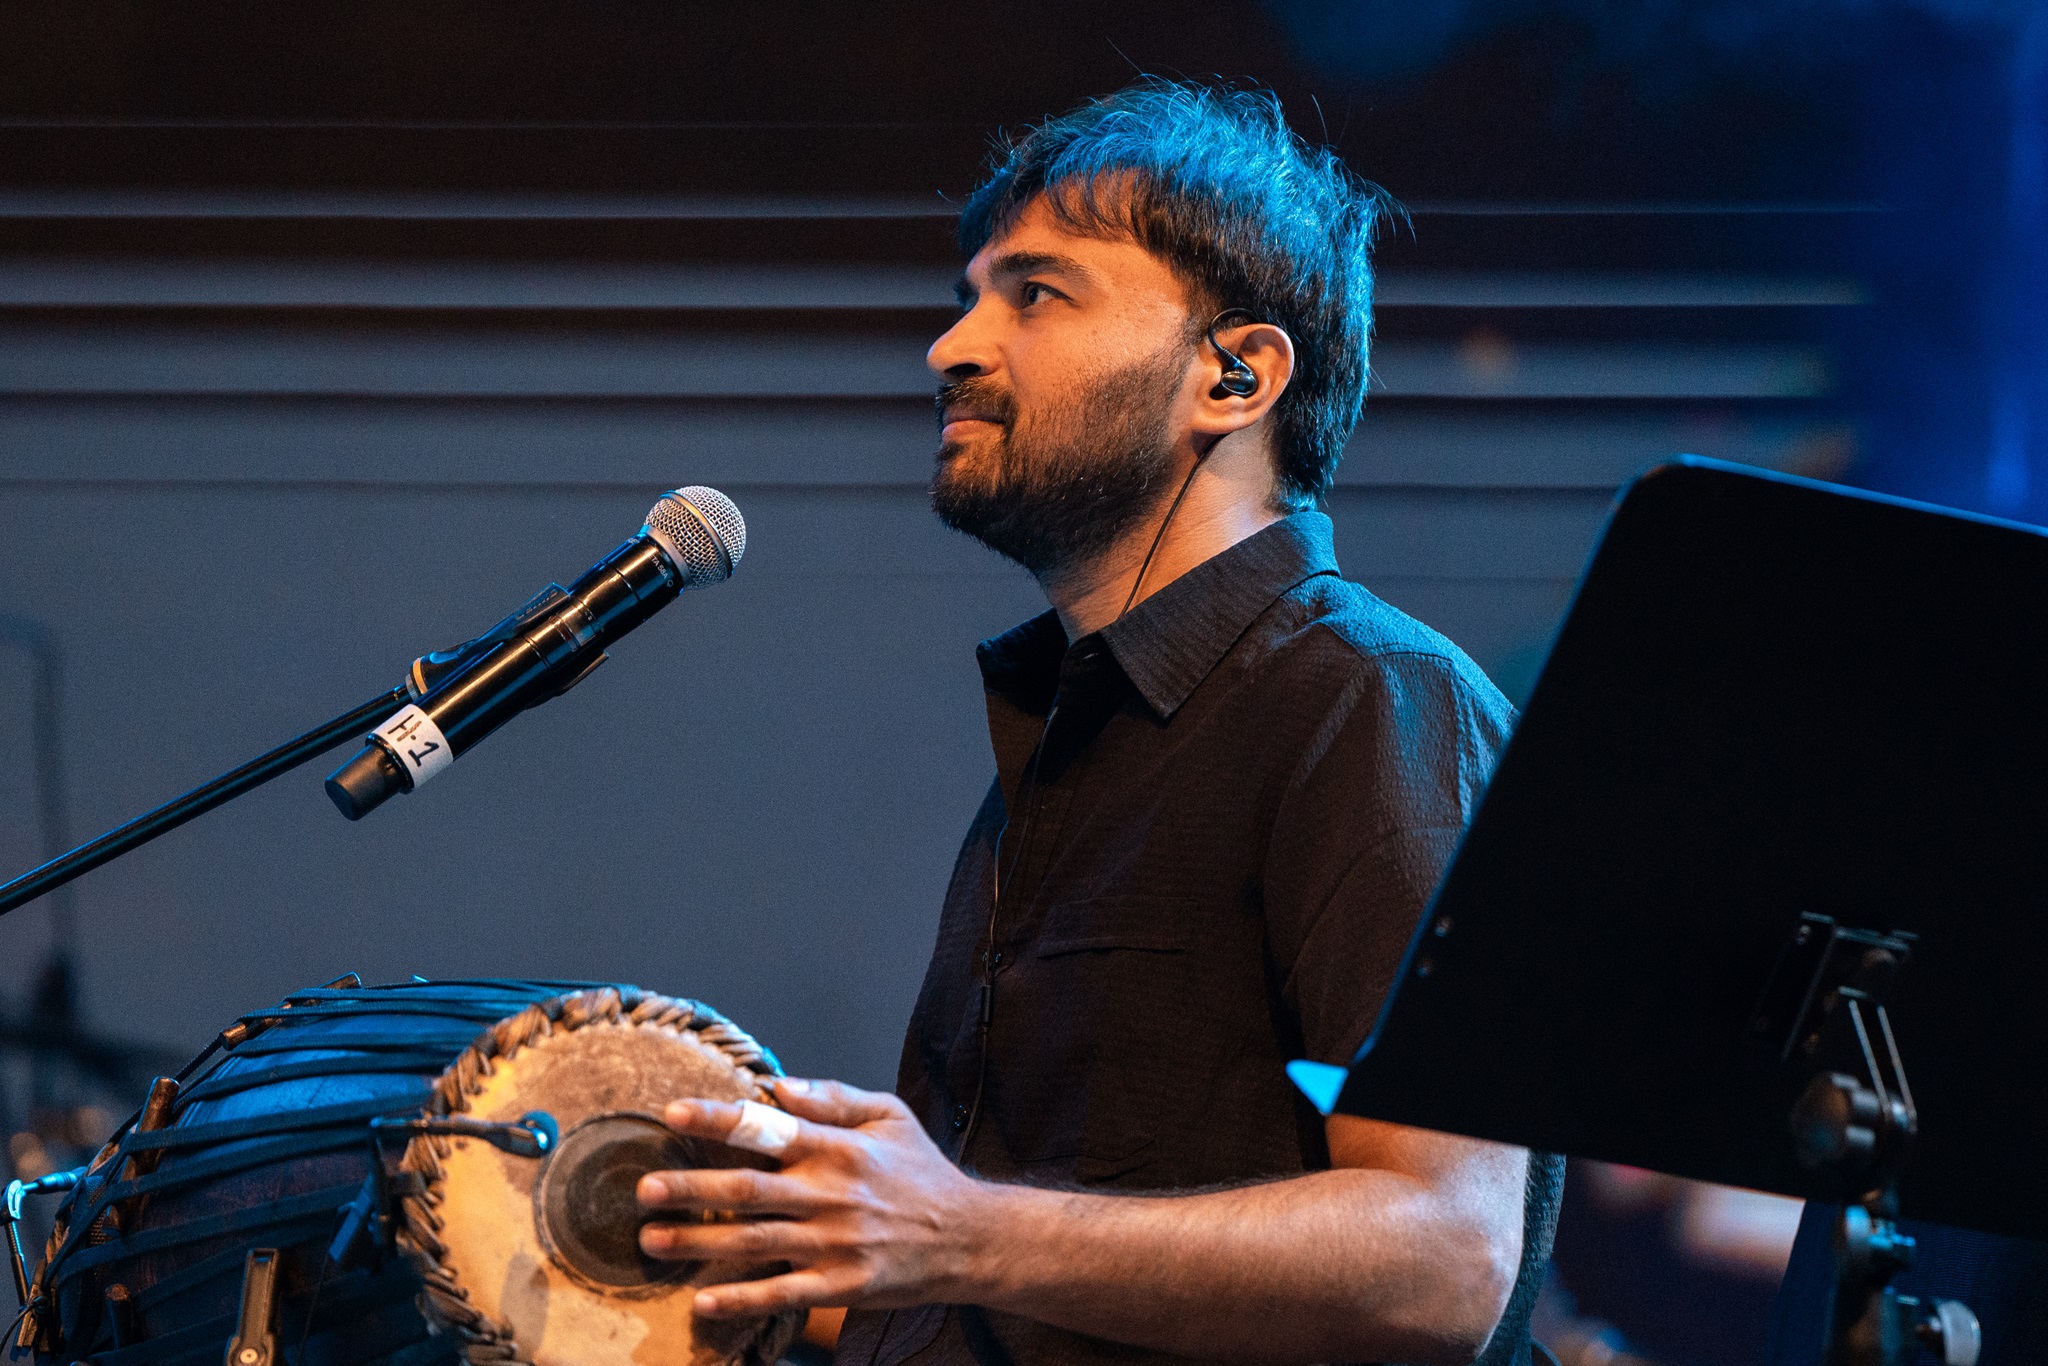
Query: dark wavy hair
[1213, 182]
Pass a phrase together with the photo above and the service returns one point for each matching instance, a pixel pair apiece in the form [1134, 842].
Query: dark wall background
[328, 333]
[325, 336]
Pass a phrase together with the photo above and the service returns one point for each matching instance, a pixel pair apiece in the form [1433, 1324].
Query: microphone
[693, 538]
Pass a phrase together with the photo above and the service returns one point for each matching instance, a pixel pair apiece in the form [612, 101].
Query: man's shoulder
[1339, 631]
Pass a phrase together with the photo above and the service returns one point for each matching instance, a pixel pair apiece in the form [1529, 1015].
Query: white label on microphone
[412, 735]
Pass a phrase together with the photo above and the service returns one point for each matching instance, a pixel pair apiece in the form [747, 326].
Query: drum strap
[301, 1123]
[384, 1009]
[252, 1126]
[219, 1265]
[348, 1298]
[505, 998]
[327, 1201]
[228, 1163]
[454, 1038]
[217, 1085]
[334, 1344]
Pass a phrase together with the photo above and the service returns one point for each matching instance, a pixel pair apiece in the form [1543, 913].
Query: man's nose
[962, 351]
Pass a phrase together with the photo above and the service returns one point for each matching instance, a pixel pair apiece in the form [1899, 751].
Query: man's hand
[865, 1209]
[1406, 1251]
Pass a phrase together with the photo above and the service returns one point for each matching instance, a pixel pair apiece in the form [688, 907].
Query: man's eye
[1033, 292]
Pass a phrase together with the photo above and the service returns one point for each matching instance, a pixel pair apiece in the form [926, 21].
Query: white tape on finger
[762, 1129]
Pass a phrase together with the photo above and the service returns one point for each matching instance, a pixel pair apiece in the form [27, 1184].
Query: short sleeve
[1365, 828]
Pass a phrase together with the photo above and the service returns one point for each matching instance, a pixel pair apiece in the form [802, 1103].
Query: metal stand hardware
[1856, 1119]
[56, 1183]
[533, 1134]
[255, 1339]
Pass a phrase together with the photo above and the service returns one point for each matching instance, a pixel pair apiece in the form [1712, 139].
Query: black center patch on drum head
[585, 1205]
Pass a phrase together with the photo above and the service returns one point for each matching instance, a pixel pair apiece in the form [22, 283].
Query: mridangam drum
[398, 1176]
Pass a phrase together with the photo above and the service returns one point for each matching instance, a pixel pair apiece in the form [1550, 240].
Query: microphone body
[553, 654]
[540, 652]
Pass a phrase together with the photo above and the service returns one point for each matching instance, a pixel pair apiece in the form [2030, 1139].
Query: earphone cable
[1160, 535]
[985, 1005]
[1234, 364]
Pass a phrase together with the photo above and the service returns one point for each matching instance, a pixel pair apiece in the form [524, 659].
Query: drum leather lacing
[410, 1029]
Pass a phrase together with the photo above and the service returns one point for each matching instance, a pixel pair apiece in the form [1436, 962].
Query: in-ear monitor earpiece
[1238, 379]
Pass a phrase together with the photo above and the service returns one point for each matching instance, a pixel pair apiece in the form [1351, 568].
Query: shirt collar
[1022, 665]
[1170, 642]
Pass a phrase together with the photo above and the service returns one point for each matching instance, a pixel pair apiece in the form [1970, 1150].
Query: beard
[1056, 488]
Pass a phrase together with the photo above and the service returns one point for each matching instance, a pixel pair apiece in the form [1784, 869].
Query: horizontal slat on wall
[113, 200]
[459, 363]
[1467, 533]
[845, 442]
[220, 202]
[1595, 446]
[497, 286]
[57, 282]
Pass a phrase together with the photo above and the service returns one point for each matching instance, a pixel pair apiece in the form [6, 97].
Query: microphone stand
[200, 800]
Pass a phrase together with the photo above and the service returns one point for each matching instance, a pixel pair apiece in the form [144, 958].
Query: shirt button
[959, 1116]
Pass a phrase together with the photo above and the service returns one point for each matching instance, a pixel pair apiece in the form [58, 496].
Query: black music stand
[1770, 840]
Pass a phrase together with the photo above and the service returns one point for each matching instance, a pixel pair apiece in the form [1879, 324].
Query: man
[1227, 784]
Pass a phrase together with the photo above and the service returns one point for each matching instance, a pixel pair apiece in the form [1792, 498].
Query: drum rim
[443, 1300]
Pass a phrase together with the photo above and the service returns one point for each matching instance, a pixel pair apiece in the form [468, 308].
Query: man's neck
[1228, 501]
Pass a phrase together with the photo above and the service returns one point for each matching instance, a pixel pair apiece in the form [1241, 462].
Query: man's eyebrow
[1015, 263]
[1031, 262]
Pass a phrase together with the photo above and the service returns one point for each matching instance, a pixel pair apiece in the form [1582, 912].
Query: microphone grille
[702, 532]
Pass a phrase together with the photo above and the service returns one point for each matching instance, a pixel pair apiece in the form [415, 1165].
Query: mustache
[977, 394]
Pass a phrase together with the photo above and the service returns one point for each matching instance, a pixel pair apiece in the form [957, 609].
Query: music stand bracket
[1824, 1011]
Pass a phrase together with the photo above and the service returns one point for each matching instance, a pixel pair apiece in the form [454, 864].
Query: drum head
[539, 1260]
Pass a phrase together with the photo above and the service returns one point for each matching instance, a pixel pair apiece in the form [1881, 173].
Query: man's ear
[1241, 375]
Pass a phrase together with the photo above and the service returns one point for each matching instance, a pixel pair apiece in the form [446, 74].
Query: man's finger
[741, 1189]
[749, 1124]
[806, 1289]
[836, 1103]
[766, 1240]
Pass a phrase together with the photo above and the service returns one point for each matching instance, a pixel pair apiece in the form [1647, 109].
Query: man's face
[1065, 391]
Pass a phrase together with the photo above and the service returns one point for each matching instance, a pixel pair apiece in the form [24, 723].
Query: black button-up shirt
[1214, 825]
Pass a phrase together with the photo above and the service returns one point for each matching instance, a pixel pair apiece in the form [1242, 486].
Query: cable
[986, 1005]
[1239, 381]
[1160, 534]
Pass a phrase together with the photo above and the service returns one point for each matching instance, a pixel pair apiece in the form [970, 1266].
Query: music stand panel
[1771, 698]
